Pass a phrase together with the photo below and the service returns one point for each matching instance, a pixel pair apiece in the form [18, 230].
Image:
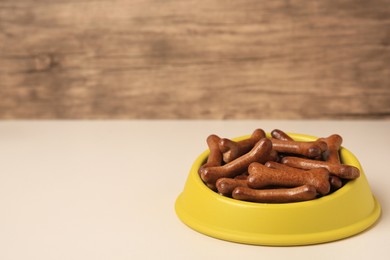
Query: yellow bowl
[344, 213]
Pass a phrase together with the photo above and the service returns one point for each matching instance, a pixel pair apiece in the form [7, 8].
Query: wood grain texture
[154, 59]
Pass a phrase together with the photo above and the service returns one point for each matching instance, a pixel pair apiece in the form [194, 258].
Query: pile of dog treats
[277, 169]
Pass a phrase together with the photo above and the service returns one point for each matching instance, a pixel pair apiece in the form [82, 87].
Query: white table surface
[106, 189]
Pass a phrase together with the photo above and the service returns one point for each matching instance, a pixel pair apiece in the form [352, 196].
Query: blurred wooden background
[216, 59]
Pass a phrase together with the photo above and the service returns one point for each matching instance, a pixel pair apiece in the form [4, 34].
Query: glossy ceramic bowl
[344, 213]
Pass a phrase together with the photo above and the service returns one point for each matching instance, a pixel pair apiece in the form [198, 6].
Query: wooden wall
[215, 59]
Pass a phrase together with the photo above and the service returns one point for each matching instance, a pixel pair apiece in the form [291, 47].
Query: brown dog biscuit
[340, 170]
[283, 195]
[259, 152]
[262, 176]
